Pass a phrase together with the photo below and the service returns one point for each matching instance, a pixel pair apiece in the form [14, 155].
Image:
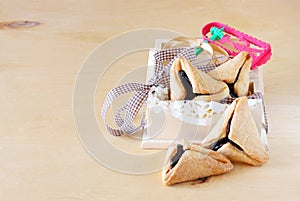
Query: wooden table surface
[41, 156]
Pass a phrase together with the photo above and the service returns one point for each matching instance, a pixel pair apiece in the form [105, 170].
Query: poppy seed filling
[187, 85]
[174, 160]
[219, 143]
[231, 85]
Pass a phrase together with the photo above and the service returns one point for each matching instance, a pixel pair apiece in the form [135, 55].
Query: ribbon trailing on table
[141, 91]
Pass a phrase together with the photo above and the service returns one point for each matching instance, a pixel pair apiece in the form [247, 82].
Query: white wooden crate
[190, 120]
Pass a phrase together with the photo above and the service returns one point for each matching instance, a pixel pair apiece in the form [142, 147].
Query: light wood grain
[41, 157]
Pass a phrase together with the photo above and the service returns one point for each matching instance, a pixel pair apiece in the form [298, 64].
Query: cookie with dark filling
[187, 83]
[235, 73]
[236, 135]
[192, 162]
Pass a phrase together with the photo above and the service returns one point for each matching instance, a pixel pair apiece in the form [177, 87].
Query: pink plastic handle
[260, 51]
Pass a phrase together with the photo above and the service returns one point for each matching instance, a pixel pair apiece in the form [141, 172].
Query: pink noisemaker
[234, 41]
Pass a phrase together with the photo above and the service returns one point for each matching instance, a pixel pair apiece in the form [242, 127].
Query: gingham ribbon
[138, 100]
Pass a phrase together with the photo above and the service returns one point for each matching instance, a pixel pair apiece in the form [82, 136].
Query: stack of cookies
[235, 137]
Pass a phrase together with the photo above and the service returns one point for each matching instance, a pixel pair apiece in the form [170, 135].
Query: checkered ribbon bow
[138, 100]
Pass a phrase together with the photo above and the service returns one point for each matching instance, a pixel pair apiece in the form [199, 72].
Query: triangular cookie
[235, 73]
[242, 140]
[188, 82]
[228, 71]
[190, 162]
